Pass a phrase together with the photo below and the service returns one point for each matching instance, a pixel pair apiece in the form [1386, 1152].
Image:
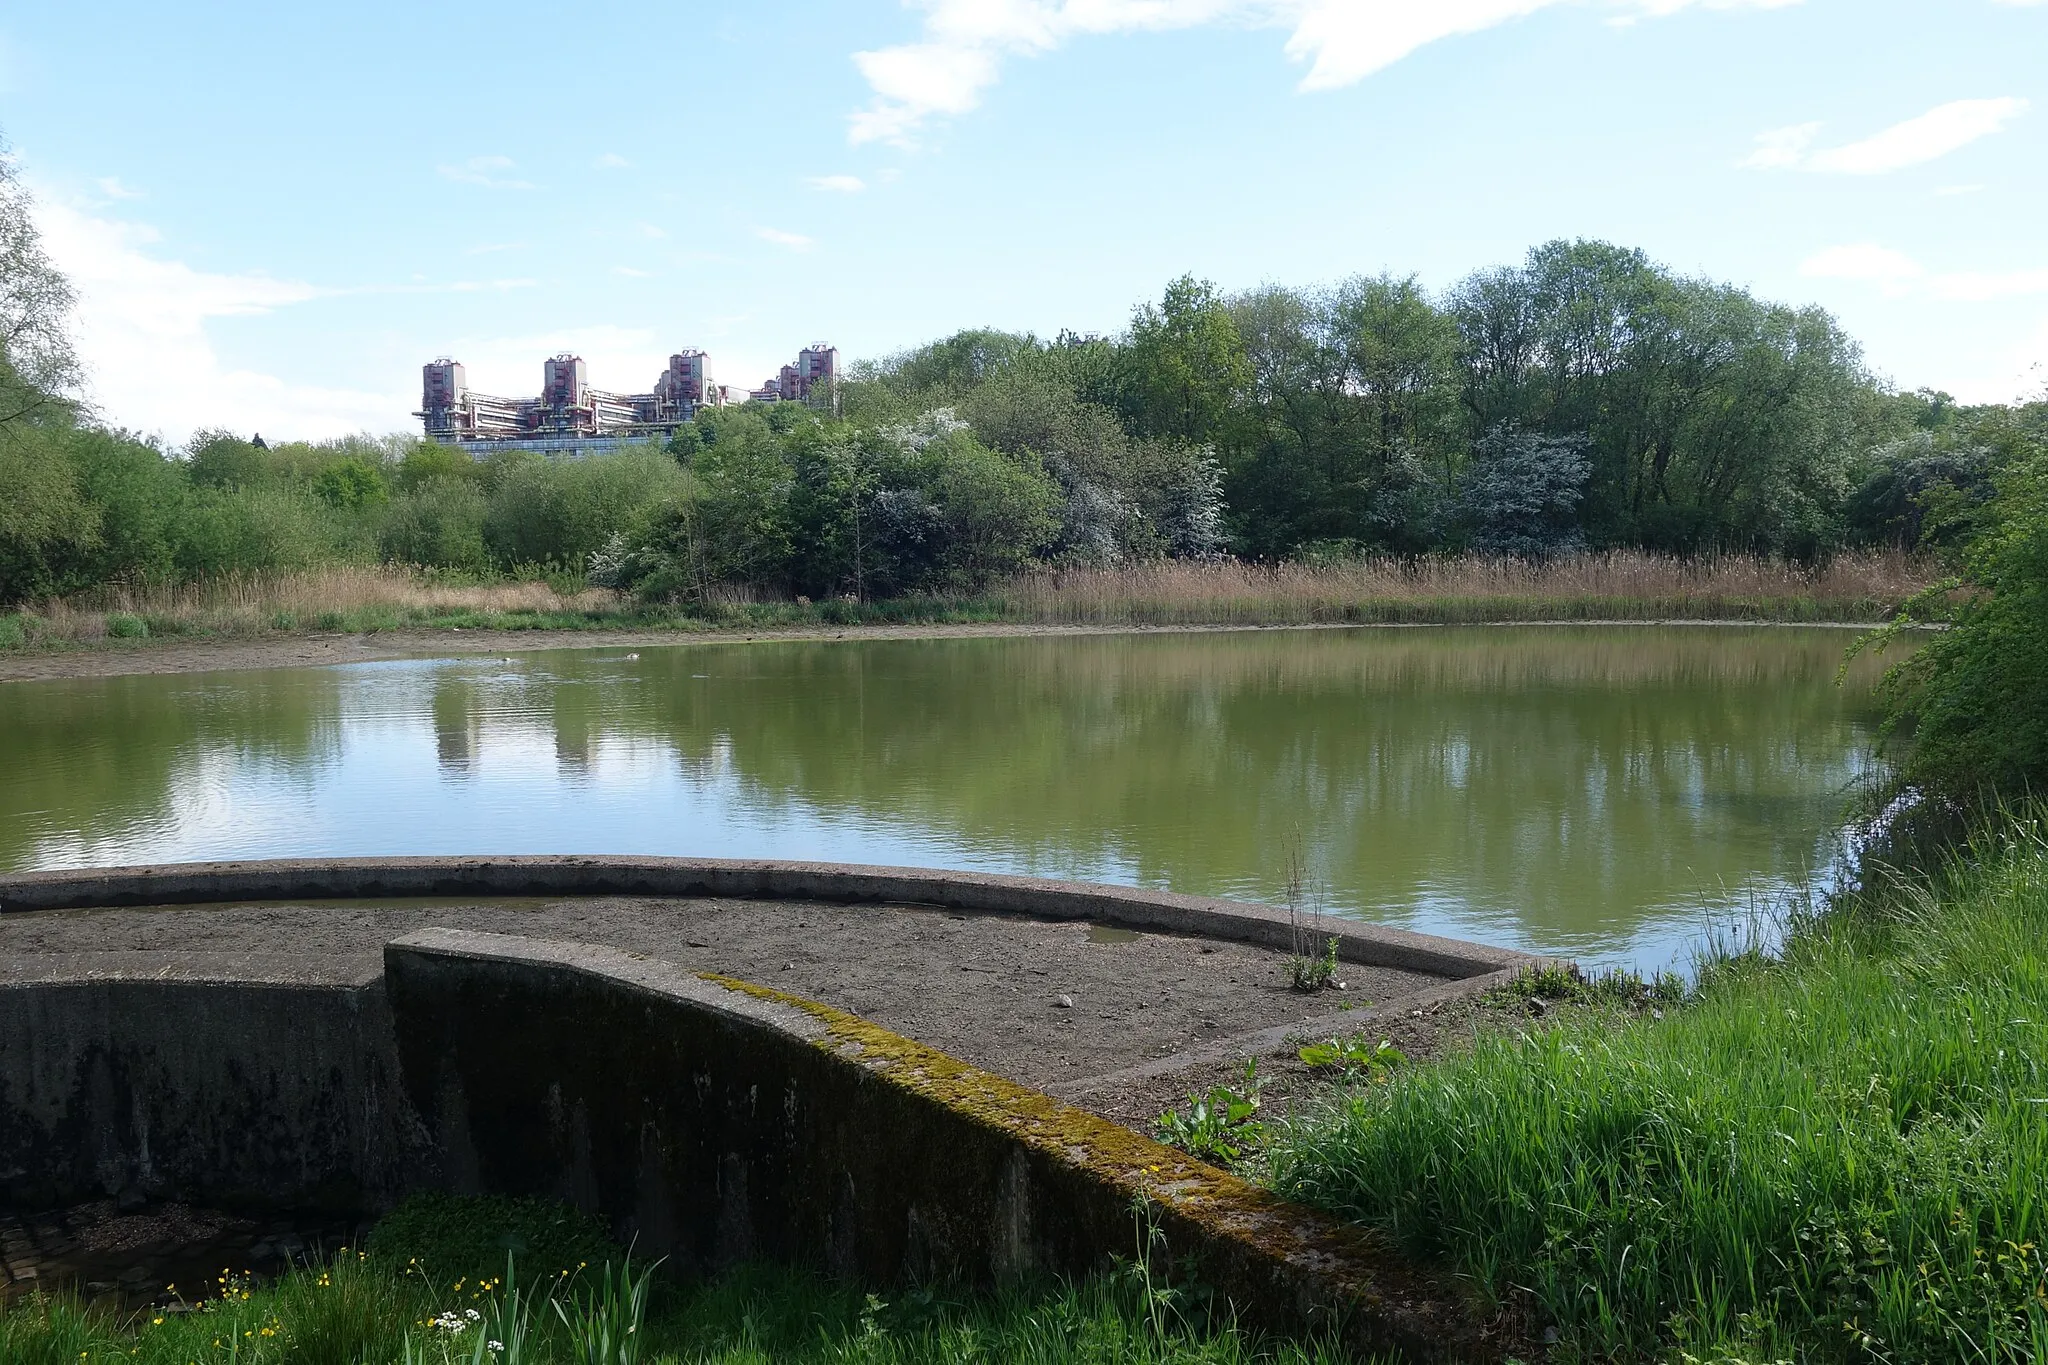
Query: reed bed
[1611, 587]
[1618, 586]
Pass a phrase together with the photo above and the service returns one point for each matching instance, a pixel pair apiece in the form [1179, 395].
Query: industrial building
[571, 415]
[568, 407]
[817, 365]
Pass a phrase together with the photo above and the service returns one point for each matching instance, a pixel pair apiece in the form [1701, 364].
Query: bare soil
[1062, 1006]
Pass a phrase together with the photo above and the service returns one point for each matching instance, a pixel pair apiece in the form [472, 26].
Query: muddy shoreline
[121, 658]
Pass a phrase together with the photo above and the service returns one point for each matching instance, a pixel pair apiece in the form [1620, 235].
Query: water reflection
[1590, 791]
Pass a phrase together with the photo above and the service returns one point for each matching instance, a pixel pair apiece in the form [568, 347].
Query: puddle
[1103, 933]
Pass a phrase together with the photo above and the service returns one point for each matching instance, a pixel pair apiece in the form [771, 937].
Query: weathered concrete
[716, 1122]
[551, 875]
[238, 1094]
[710, 1119]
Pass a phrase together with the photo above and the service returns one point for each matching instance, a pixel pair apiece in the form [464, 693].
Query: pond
[1607, 793]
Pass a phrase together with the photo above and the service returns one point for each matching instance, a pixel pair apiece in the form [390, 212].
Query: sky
[275, 214]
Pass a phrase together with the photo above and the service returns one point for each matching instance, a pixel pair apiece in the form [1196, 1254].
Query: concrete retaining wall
[709, 1120]
[359, 878]
[719, 1122]
[237, 1094]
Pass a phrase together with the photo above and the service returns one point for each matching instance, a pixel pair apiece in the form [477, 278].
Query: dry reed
[1626, 585]
[1622, 586]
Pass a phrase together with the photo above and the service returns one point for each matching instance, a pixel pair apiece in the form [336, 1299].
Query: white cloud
[1934, 134]
[142, 332]
[960, 53]
[484, 171]
[112, 188]
[1952, 191]
[611, 161]
[795, 241]
[838, 184]
[1899, 274]
[1865, 261]
[1781, 149]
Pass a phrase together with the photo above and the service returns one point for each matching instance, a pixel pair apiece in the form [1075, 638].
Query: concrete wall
[237, 1094]
[1128, 907]
[718, 1122]
[709, 1120]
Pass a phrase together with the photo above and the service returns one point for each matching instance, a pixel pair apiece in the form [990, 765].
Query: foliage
[1522, 493]
[38, 368]
[1973, 700]
[467, 1238]
[1222, 1125]
[1834, 1155]
[1354, 1057]
[1586, 398]
[1311, 974]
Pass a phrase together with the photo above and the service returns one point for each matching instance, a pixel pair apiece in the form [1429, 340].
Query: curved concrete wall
[711, 1120]
[546, 875]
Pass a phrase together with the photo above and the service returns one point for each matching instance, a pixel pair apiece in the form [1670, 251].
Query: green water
[1601, 792]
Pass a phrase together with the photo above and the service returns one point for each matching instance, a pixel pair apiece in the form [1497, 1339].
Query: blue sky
[275, 214]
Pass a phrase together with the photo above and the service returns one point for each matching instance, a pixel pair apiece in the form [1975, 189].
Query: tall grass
[1840, 1154]
[1624, 586]
[1620, 586]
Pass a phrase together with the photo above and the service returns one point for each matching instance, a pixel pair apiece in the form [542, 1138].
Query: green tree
[1971, 704]
[38, 368]
[353, 483]
[1186, 364]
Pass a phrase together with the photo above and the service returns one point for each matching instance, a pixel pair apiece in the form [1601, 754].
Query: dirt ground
[1055, 1005]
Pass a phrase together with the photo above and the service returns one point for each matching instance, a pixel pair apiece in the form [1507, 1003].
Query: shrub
[1973, 701]
[438, 524]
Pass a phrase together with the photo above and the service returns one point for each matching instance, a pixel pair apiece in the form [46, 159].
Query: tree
[38, 369]
[1522, 493]
[1973, 699]
[1186, 363]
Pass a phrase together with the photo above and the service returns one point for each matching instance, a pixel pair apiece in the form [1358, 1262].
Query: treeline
[1584, 400]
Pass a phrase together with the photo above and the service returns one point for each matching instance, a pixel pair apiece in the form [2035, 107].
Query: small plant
[1311, 974]
[1161, 1300]
[603, 1323]
[1310, 968]
[1356, 1058]
[123, 626]
[1221, 1126]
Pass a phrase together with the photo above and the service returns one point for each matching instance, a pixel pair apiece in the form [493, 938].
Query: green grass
[379, 1307]
[1839, 1154]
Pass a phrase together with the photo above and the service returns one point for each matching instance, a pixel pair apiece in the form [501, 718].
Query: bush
[438, 524]
[248, 531]
[561, 511]
[1973, 701]
[47, 527]
[458, 1237]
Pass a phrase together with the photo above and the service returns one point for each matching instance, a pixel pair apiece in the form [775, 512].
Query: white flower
[495, 1346]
